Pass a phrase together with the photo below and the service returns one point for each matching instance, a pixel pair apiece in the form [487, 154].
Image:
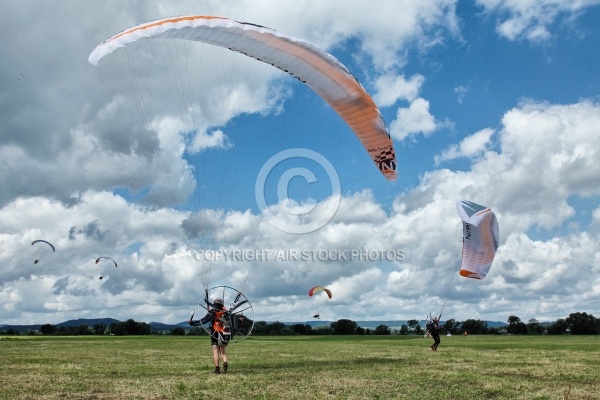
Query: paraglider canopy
[43, 241]
[316, 289]
[320, 71]
[480, 239]
[37, 260]
[105, 258]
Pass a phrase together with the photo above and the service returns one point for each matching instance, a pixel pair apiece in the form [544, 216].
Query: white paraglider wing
[480, 239]
[319, 70]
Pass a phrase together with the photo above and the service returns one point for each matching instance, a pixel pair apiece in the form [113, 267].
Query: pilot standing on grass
[433, 328]
[220, 332]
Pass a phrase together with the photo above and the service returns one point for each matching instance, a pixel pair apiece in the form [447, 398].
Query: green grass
[302, 367]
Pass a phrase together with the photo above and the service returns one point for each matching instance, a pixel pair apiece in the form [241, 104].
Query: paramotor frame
[239, 315]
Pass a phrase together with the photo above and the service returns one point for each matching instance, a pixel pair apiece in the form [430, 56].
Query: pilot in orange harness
[220, 331]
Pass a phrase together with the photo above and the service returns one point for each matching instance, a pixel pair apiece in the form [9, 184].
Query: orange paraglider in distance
[318, 288]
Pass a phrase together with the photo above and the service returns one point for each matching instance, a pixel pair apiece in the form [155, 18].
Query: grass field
[301, 367]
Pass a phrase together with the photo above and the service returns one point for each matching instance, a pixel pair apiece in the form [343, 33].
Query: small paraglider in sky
[37, 260]
[313, 291]
[105, 258]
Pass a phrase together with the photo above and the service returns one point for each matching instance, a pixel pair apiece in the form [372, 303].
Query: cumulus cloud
[389, 89]
[470, 146]
[413, 120]
[550, 140]
[531, 20]
[533, 173]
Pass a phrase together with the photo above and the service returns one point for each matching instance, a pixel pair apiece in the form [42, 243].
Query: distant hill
[88, 322]
[160, 327]
[70, 323]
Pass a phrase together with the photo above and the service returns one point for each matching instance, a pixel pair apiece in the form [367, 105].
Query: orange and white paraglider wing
[480, 239]
[320, 71]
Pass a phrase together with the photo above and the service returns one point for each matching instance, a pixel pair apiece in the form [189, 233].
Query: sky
[164, 156]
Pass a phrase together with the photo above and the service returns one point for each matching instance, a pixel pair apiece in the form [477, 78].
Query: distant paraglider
[316, 289]
[480, 239]
[105, 258]
[43, 241]
[37, 260]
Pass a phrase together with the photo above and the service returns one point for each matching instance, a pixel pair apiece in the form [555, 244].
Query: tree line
[575, 324]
